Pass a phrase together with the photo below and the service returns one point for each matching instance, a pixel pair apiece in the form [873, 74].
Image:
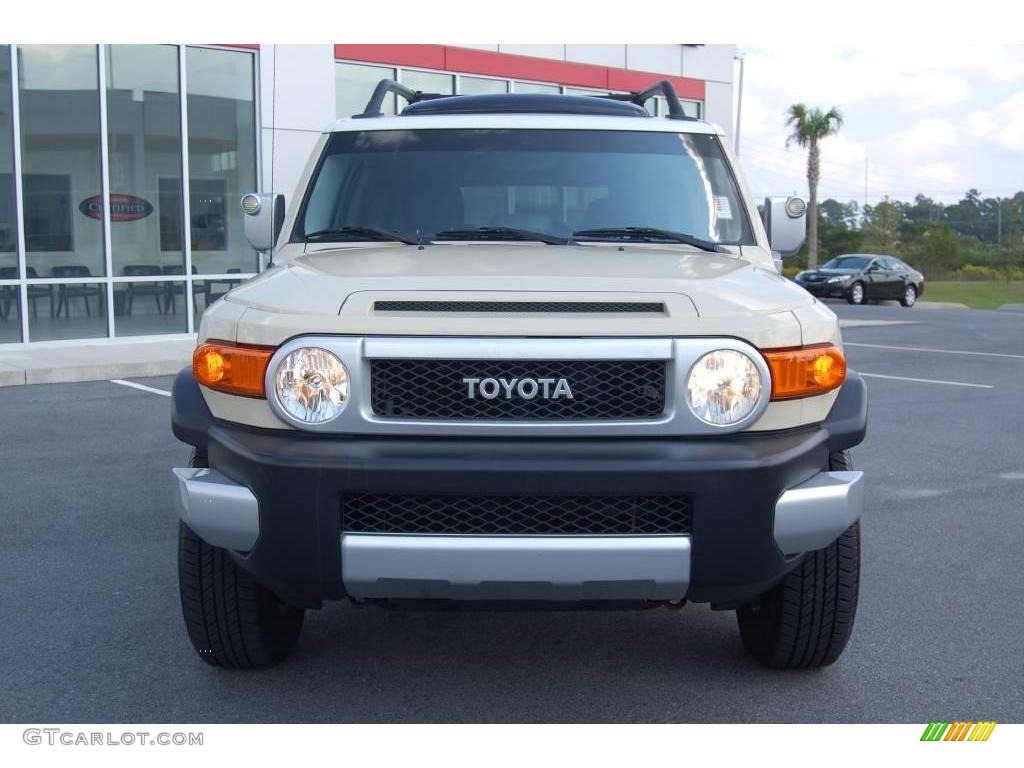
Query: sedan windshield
[506, 184]
[847, 262]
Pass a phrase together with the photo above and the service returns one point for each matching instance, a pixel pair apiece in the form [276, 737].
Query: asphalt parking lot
[91, 628]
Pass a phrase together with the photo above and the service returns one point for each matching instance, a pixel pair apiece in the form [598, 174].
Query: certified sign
[122, 207]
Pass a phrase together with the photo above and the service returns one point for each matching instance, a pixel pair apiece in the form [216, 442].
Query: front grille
[601, 389]
[516, 515]
[519, 306]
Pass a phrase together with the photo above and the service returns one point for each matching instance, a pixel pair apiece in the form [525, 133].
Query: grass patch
[976, 294]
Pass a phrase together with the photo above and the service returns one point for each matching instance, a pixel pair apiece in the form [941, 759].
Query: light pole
[739, 108]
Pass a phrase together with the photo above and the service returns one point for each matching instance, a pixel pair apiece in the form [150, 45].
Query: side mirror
[785, 223]
[263, 218]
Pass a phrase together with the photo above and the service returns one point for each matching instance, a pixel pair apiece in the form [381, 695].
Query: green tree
[882, 226]
[935, 248]
[808, 127]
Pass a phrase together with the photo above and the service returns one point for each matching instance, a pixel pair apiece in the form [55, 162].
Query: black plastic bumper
[826, 290]
[733, 481]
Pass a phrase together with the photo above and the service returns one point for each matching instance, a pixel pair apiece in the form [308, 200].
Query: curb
[1011, 308]
[12, 377]
[93, 362]
[940, 305]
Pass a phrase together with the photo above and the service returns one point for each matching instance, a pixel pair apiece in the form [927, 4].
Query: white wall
[296, 101]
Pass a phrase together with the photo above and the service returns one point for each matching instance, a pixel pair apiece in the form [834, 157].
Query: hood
[341, 285]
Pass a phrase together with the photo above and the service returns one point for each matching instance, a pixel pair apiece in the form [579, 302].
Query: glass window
[428, 82]
[475, 85]
[60, 156]
[690, 108]
[144, 126]
[847, 262]
[67, 310]
[222, 157]
[553, 181]
[521, 87]
[585, 92]
[8, 211]
[10, 309]
[354, 84]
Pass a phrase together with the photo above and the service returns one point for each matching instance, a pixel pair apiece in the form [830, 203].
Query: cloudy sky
[936, 119]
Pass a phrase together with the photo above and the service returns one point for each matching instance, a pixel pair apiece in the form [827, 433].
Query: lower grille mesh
[512, 515]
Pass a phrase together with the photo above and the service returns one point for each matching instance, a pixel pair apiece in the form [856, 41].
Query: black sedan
[864, 277]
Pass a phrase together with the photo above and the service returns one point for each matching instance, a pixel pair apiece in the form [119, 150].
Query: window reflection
[477, 85]
[354, 84]
[522, 87]
[60, 156]
[222, 157]
[8, 211]
[428, 82]
[144, 126]
[72, 310]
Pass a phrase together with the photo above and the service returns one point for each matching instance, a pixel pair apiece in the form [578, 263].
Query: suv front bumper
[274, 498]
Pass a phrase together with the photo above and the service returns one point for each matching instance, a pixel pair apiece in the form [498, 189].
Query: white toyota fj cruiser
[519, 349]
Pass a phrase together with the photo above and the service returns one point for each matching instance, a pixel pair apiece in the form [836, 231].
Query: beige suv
[521, 350]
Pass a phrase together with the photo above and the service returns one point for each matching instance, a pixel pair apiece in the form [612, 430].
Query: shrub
[978, 272]
[790, 270]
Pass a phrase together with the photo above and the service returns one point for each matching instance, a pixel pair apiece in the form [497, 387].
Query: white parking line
[143, 387]
[926, 349]
[926, 381]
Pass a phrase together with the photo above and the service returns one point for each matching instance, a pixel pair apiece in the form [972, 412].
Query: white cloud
[1004, 124]
[929, 118]
[821, 75]
[924, 138]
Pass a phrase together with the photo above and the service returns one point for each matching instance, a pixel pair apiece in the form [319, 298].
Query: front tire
[232, 620]
[805, 621]
[856, 294]
[909, 297]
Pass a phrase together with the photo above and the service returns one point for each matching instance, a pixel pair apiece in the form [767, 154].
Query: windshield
[555, 182]
[847, 262]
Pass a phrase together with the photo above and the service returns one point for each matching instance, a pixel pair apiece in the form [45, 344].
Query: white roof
[551, 121]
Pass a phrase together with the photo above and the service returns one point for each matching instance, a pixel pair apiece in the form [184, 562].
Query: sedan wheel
[909, 296]
[856, 295]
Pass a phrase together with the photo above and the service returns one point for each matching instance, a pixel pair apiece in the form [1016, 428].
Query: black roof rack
[535, 103]
[622, 104]
[663, 87]
[386, 86]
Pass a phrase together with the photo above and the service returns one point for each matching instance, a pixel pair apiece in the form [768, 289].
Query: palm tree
[809, 127]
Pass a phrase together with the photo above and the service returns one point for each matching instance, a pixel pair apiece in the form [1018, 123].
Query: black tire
[855, 297]
[805, 621]
[232, 621]
[909, 297]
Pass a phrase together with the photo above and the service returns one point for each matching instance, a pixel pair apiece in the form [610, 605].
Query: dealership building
[107, 151]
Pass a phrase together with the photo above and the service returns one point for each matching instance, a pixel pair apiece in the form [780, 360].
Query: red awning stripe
[471, 61]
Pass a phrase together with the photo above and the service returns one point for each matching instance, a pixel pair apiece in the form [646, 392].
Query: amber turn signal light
[229, 368]
[805, 371]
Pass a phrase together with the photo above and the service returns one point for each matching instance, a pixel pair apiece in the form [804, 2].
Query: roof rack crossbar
[663, 88]
[374, 107]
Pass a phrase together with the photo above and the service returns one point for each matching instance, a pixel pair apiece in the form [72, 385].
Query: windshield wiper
[360, 233]
[648, 234]
[499, 233]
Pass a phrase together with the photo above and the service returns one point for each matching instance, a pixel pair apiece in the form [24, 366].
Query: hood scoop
[520, 307]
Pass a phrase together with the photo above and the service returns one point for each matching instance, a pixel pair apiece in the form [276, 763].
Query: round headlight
[311, 385]
[724, 387]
